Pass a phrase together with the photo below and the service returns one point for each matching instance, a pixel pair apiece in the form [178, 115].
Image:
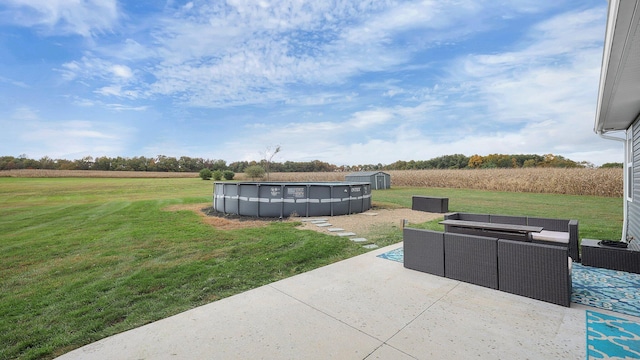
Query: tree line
[162, 163]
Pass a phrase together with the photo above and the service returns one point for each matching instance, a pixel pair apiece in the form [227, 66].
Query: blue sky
[346, 82]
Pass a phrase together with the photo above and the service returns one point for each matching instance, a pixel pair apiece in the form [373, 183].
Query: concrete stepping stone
[369, 214]
[346, 234]
[358, 239]
[370, 246]
[312, 219]
[336, 229]
[323, 224]
[318, 221]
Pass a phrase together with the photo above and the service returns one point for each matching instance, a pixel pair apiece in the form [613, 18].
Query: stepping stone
[313, 219]
[346, 234]
[358, 239]
[370, 246]
[318, 221]
[325, 224]
[369, 214]
[335, 229]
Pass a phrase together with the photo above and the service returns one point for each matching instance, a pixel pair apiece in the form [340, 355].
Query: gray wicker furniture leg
[424, 250]
[472, 259]
[536, 271]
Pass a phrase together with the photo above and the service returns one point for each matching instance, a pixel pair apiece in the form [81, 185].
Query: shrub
[205, 174]
[217, 175]
[228, 174]
[255, 172]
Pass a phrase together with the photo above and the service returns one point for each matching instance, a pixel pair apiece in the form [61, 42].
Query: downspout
[625, 179]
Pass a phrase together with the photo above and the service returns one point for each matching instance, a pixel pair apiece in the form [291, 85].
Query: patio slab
[361, 308]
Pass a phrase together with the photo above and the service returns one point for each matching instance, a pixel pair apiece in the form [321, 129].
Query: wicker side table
[607, 257]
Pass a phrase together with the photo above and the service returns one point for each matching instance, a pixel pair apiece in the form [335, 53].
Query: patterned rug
[610, 337]
[612, 290]
[394, 255]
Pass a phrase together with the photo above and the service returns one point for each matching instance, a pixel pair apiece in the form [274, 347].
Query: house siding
[633, 216]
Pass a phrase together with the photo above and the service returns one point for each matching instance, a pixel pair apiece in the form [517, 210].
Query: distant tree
[475, 161]
[238, 166]
[47, 163]
[255, 172]
[612, 165]
[102, 163]
[558, 161]
[85, 163]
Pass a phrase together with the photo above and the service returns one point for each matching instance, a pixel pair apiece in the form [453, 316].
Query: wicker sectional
[534, 270]
[557, 225]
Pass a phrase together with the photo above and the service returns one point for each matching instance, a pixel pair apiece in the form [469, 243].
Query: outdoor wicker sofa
[538, 271]
[555, 231]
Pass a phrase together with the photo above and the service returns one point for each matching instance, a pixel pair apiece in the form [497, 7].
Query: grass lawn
[82, 259]
[599, 217]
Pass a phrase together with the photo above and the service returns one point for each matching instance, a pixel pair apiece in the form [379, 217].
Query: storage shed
[379, 180]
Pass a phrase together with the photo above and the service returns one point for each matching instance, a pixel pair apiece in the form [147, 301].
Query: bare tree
[268, 156]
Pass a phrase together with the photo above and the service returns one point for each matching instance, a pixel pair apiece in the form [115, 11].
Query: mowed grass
[82, 259]
[599, 217]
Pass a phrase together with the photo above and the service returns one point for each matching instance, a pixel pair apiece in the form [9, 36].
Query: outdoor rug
[611, 290]
[610, 337]
[394, 255]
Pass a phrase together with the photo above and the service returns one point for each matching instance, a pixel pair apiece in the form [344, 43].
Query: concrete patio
[365, 307]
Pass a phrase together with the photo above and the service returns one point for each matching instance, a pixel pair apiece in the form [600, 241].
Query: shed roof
[619, 94]
[366, 173]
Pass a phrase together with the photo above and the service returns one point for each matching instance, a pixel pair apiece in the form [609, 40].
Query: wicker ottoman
[607, 257]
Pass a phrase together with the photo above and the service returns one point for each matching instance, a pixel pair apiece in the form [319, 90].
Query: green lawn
[82, 259]
[599, 217]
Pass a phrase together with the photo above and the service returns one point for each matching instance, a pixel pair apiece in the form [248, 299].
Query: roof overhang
[619, 93]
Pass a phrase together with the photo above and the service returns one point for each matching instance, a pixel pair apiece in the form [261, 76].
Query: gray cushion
[551, 236]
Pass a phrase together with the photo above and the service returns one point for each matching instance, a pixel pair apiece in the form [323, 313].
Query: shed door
[380, 182]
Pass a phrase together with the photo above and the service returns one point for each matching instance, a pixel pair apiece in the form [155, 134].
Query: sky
[346, 82]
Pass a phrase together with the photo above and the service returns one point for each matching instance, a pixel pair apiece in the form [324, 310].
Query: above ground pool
[282, 199]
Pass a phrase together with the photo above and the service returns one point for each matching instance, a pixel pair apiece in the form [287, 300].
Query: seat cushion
[551, 236]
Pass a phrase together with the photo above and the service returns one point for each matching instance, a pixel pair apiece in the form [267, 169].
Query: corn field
[572, 181]
[580, 181]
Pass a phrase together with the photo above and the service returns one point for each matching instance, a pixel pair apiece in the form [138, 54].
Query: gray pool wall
[281, 199]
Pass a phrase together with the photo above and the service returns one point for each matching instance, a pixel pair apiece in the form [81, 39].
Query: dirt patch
[363, 223]
[360, 224]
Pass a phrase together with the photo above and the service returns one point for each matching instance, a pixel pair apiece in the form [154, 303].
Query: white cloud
[85, 18]
[538, 97]
[122, 71]
[24, 113]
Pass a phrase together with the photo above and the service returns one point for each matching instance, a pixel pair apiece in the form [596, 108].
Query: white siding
[633, 216]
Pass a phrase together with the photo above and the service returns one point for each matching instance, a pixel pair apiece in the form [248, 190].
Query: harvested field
[41, 173]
